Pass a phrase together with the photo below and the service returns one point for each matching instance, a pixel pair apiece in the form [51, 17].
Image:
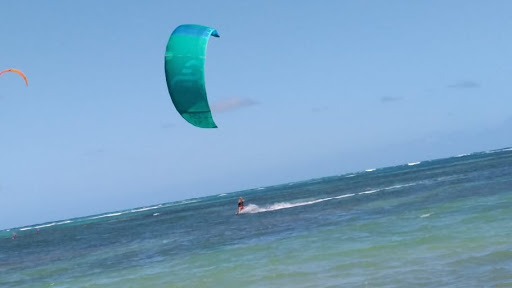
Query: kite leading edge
[15, 71]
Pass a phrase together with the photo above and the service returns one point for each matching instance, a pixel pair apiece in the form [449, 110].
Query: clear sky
[299, 89]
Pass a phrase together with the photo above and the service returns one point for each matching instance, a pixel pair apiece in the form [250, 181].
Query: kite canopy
[184, 71]
[15, 71]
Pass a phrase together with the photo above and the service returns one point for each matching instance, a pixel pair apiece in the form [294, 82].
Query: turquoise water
[441, 223]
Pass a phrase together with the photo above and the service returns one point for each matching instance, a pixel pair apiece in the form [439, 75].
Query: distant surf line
[44, 225]
[146, 208]
[107, 215]
[113, 214]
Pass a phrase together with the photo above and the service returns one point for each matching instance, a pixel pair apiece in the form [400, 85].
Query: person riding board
[240, 204]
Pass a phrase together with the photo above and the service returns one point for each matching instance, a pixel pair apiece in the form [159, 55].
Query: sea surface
[439, 223]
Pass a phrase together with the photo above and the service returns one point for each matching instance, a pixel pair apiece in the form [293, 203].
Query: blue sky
[299, 90]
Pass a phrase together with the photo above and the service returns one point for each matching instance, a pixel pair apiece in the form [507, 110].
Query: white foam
[387, 188]
[107, 215]
[64, 222]
[156, 214]
[252, 208]
[351, 175]
[368, 192]
[446, 178]
[45, 225]
[498, 150]
[413, 163]
[400, 186]
[146, 208]
[223, 194]
[188, 201]
[425, 215]
[343, 196]
[370, 170]
[26, 228]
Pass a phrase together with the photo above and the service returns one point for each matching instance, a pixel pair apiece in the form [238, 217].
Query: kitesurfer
[240, 204]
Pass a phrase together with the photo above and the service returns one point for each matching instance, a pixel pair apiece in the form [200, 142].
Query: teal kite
[184, 72]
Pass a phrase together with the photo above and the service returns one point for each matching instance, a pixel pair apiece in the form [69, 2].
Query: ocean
[439, 223]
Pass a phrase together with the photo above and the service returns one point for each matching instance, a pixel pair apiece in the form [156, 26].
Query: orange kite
[16, 71]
